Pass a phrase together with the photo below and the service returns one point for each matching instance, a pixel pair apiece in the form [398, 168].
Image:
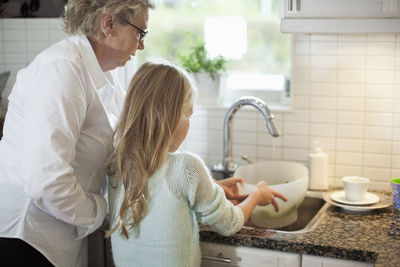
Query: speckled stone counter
[372, 237]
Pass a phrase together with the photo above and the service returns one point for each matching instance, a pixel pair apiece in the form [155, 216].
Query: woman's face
[125, 39]
[182, 130]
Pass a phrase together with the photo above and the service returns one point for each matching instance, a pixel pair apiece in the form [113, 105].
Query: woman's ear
[107, 24]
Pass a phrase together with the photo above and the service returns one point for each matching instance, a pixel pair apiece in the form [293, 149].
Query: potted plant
[206, 71]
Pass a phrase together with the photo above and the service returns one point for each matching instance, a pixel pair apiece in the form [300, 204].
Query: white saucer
[370, 198]
[385, 200]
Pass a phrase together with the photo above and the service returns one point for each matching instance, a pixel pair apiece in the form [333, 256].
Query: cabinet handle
[219, 258]
[293, 5]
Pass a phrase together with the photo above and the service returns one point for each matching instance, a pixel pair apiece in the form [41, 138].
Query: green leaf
[196, 59]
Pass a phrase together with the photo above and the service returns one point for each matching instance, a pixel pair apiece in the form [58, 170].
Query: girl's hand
[231, 189]
[266, 196]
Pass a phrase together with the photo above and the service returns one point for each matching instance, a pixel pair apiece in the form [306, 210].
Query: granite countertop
[373, 237]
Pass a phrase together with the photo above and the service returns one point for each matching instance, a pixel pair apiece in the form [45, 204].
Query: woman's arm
[55, 110]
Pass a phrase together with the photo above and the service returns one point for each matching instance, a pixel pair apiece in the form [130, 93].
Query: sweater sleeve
[208, 200]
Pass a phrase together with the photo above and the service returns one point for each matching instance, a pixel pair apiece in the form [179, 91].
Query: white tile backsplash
[327, 62]
[323, 102]
[381, 48]
[378, 133]
[324, 48]
[296, 128]
[378, 174]
[380, 77]
[381, 63]
[380, 90]
[379, 105]
[323, 89]
[351, 62]
[381, 147]
[323, 116]
[350, 131]
[301, 88]
[14, 24]
[351, 158]
[302, 61]
[324, 75]
[350, 48]
[22, 39]
[350, 117]
[351, 76]
[381, 37]
[349, 145]
[347, 170]
[323, 129]
[378, 119]
[350, 110]
[346, 97]
[302, 48]
[14, 35]
[295, 141]
[377, 160]
[351, 90]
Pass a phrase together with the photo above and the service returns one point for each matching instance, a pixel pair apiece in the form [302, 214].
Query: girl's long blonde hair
[156, 99]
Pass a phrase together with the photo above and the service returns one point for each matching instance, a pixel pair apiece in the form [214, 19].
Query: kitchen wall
[22, 39]
[346, 97]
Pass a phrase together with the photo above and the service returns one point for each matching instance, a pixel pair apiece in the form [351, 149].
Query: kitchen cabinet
[219, 255]
[315, 261]
[216, 255]
[340, 16]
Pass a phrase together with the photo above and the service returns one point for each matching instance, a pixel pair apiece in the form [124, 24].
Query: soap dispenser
[318, 168]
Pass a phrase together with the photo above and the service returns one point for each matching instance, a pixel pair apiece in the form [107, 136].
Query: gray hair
[81, 16]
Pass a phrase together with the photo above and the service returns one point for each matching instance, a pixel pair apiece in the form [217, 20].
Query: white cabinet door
[340, 16]
[315, 261]
[366, 9]
[216, 255]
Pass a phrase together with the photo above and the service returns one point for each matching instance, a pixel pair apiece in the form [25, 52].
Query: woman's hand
[267, 196]
[231, 189]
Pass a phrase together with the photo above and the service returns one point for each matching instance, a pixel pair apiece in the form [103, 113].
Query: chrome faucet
[228, 167]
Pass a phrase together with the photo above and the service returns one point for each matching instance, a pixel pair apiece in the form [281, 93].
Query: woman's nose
[141, 45]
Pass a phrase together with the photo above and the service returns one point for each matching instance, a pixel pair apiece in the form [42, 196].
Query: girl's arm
[231, 189]
[261, 196]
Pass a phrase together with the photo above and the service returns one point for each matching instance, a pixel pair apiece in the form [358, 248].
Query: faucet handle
[246, 158]
[219, 171]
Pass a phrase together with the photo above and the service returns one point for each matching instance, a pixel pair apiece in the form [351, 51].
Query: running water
[275, 158]
[275, 155]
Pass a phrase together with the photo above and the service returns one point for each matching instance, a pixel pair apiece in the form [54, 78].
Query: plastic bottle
[318, 168]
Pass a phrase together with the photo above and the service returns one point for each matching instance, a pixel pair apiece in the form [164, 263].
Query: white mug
[355, 187]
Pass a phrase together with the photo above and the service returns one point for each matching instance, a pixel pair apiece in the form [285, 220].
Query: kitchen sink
[309, 214]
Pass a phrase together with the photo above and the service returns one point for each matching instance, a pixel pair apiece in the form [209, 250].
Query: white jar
[318, 168]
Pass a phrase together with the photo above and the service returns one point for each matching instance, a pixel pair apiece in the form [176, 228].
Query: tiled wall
[22, 39]
[347, 97]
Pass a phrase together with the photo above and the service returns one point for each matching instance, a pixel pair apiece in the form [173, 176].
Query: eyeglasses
[141, 32]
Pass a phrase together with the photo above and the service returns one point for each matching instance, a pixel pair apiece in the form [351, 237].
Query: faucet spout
[227, 168]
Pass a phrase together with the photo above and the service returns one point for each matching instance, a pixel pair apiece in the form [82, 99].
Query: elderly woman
[57, 135]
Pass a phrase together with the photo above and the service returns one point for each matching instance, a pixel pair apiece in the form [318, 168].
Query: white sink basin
[285, 177]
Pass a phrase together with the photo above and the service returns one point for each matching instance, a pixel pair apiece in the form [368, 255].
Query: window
[246, 32]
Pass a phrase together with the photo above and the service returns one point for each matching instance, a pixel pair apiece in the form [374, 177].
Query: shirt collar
[100, 78]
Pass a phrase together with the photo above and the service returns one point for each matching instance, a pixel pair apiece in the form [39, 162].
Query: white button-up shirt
[57, 136]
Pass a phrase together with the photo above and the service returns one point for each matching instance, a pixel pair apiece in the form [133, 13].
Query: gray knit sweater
[181, 194]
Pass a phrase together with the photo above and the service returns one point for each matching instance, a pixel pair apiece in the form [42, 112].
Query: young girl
[157, 196]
